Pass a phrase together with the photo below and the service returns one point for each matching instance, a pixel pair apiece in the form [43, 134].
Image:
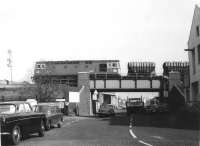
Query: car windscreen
[7, 108]
[106, 107]
[135, 100]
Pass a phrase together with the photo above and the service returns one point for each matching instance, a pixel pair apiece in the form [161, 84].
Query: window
[197, 31]
[27, 107]
[114, 64]
[38, 66]
[7, 109]
[195, 89]
[198, 49]
[193, 61]
[73, 62]
[21, 108]
[88, 62]
[103, 67]
[43, 66]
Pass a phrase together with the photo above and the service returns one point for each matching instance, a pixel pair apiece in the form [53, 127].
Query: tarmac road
[121, 130]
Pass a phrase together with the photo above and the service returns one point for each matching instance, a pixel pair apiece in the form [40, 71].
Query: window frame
[27, 106]
[197, 31]
[198, 52]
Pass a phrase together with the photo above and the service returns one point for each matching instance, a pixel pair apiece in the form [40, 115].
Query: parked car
[53, 115]
[163, 108]
[106, 110]
[17, 120]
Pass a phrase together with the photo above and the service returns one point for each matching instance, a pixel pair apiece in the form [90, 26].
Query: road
[121, 130]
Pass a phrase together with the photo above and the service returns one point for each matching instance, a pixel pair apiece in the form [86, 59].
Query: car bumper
[102, 113]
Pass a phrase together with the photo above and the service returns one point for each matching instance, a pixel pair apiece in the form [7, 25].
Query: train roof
[75, 61]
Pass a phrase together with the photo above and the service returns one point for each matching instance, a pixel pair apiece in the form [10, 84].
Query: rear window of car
[107, 106]
[7, 108]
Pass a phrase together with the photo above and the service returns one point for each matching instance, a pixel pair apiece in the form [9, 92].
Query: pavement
[121, 130]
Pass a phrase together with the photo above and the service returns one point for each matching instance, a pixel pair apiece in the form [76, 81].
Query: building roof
[75, 61]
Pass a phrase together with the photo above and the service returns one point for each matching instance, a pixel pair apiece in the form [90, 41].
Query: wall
[85, 105]
[193, 42]
[17, 93]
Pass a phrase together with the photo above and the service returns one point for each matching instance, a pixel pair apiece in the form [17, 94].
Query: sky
[127, 30]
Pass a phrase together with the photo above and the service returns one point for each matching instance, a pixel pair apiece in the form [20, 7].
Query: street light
[9, 59]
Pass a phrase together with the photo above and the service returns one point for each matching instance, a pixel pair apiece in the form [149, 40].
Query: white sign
[74, 97]
[94, 96]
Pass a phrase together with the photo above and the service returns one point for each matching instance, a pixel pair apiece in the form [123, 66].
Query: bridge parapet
[120, 83]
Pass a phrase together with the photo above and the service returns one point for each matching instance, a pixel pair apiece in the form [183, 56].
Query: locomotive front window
[103, 67]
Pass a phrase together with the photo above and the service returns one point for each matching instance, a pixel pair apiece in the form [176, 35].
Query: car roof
[48, 103]
[14, 102]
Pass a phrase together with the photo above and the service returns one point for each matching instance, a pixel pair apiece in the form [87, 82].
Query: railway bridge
[114, 83]
[119, 83]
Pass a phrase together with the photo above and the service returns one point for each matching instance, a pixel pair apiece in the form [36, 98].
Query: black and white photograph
[100, 73]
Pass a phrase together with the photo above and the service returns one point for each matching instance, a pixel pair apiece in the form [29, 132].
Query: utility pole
[9, 59]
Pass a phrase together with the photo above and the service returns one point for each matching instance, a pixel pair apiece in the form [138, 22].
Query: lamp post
[10, 63]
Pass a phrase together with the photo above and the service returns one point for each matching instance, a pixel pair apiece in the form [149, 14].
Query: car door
[22, 119]
[53, 115]
[32, 119]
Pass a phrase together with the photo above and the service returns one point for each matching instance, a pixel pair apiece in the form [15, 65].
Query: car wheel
[42, 129]
[48, 125]
[16, 135]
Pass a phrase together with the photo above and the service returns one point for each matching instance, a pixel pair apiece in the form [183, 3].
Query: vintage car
[17, 120]
[53, 115]
[106, 110]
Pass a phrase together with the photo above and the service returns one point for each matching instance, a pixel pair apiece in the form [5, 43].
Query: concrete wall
[85, 105]
[174, 78]
[193, 42]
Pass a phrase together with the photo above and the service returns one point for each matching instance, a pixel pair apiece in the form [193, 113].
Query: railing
[119, 76]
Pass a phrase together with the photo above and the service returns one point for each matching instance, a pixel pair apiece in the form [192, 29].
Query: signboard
[94, 96]
[74, 97]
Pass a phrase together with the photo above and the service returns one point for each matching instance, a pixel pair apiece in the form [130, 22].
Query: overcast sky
[134, 30]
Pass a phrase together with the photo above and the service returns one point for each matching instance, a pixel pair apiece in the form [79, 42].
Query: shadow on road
[7, 142]
[160, 120]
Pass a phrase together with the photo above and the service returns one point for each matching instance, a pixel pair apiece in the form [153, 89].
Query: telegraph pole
[9, 59]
